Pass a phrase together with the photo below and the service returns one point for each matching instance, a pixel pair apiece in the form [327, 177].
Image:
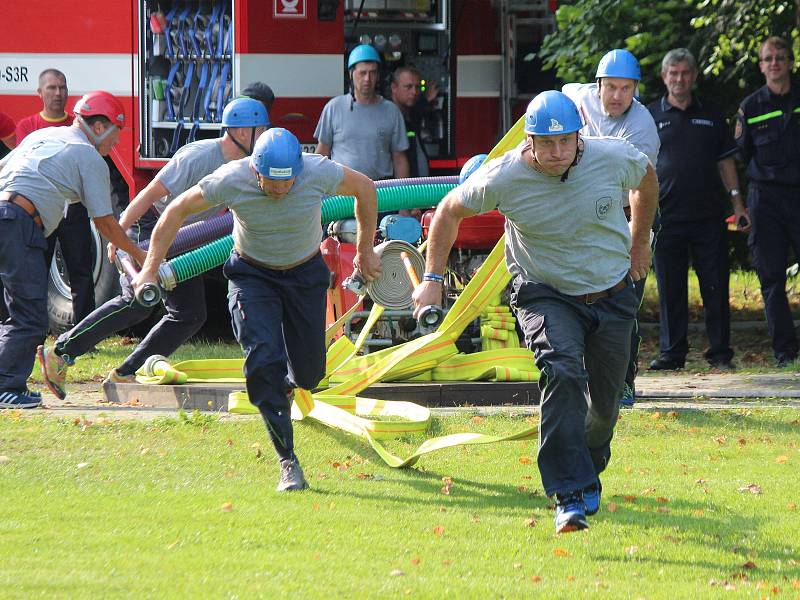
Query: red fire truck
[175, 63]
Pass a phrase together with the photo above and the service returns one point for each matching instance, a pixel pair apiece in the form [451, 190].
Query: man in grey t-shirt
[243, 120]
[51, 168]
[362, 130]
[608, 108]
[570, 250]
[277, 277]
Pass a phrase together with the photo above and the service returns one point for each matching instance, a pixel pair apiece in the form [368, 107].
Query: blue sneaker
[591, 498]
[26, 399]
[628, 397]
[570, 513]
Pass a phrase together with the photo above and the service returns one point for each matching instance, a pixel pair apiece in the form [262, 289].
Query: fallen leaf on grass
[446, 563]
[781, 459]
[415, 561]
[662, 509]
[144, 451]
[698, 512]
[720, 439]
[752, 488]
[631, 550]
[570, 577]
[82, 465]
[655, 416]
[741, 442]
[700, 481]
[790, 506]
[525, 460]
[4, 459]
[522, 489]
[749, 565]
[476, 519]
[673, 414]
[438, 530]
[396, 573]
[629, 498]
[448, 485]
[531, 522]
[561, 552]
[227, 507]
[647, 491]
[477, 420]
[796, 584]
[229, 442]
[612, 507]
[662, 500]
[535, 578]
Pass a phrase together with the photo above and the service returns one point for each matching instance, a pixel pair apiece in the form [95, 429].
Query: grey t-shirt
[275, 232]
[56, 166]
[190, 164]
[363, 138]
[636, 125]
[571, 235]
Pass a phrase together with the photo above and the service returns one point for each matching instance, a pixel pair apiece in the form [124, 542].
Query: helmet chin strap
[252, 142]
[574, 162]
[96, 139]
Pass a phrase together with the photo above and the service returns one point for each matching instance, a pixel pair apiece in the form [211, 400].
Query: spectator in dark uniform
[768, 134]
[414, 105]
[695, 162]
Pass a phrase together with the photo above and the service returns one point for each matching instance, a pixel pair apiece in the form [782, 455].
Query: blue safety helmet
[552, 113]
[619, 63]
[245, 112]
[470, 167]
[363, 53]
[277, 154]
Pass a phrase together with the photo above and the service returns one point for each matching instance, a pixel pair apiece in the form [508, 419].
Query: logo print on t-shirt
[603, 207]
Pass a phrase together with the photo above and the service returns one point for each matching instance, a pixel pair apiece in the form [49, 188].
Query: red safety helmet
[102, 104]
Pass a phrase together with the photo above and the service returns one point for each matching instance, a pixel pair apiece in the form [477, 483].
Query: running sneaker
[114, 377]
[26, 399]
[292, 478]
[570, 513]
[54, 370]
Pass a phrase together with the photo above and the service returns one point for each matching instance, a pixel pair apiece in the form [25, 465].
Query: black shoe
[663, 363]
[784, 360]
[722, 365]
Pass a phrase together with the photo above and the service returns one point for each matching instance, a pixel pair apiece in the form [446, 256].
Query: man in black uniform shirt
[768, 135]
[695, 160]
[406, 94]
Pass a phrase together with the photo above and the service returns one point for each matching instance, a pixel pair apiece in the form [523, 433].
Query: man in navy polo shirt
[695, 162]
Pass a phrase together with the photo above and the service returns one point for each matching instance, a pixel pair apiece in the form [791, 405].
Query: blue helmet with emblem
[552, 113]
[277, 154]
[245, 112]
[619, 63]
[470, 167]
[363, 53]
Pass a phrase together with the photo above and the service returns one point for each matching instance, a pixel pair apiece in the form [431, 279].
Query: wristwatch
[733, 191]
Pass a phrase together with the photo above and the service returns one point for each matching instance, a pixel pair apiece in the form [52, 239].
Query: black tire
[105, 275]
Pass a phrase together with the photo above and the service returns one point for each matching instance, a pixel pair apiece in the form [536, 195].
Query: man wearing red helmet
[50, 168]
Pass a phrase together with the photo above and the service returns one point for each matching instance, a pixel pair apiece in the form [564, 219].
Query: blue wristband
[433, 277]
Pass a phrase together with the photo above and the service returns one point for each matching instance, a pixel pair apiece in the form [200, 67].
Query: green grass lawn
[700, 505]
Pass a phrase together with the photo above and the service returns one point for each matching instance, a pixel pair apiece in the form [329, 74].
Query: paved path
[701, 391]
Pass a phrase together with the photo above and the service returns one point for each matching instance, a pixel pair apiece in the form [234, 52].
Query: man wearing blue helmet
[573, 259]
[243, 120]
[277, 277]
[609, 108]
[362, 129]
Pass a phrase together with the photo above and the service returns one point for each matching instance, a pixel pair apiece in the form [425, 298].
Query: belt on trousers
[24, 204]
[257, 263]
[593, 297]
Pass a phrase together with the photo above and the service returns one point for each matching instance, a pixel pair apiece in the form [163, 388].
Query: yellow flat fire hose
[431, 357]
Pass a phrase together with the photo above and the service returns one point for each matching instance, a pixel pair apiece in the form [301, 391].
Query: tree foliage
[724, 35]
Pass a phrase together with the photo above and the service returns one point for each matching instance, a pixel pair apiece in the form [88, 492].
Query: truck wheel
[59, 298]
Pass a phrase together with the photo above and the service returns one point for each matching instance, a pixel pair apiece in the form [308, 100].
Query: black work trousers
[74, 235]
[705, 241]
[278, 318]
[582, 351]
[775, 217]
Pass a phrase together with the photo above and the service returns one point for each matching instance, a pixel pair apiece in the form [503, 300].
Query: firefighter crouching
[49, 169]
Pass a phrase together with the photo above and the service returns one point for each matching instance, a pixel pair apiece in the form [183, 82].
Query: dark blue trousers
[775, 216]
[582, 351]
[707, 244]
[74, 235]
[186, 313]
[278, 318]
[23, 273]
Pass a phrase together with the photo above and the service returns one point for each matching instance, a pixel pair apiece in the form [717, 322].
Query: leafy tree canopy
[724, 36]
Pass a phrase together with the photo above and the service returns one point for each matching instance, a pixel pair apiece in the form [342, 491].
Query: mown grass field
[700, 505]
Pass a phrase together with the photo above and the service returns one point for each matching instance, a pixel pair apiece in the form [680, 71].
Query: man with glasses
[768, 135]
